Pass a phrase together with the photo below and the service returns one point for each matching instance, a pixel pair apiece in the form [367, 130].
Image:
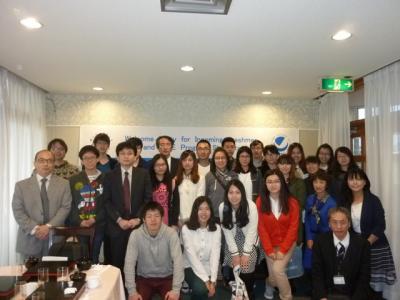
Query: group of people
[167, 221]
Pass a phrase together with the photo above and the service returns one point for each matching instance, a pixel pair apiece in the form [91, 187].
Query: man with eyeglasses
[341, 261]
[203, 151]
[39, 203]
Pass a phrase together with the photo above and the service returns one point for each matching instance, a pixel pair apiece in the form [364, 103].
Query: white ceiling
[131, 47]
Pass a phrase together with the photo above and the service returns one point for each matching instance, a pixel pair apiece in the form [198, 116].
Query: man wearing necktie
[341, 267]
[39, 203]
[126, 190]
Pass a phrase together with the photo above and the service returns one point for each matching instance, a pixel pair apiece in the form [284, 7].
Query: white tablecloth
[111, 285]
[110, 288]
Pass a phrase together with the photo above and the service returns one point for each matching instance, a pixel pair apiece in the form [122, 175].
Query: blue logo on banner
[281, 142]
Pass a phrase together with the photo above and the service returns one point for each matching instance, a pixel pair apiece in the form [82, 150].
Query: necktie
[127, 194]
[45, 201]
[340, 251]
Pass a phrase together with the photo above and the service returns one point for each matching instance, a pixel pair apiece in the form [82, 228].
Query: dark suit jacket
[355, 266]
[113, 197]
[373, 219]
[174, 166]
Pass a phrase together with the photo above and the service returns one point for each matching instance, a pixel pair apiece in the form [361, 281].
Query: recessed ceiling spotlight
[266, 93]
[31, 23]
[187, 68]
[98, 88]
[341, 35]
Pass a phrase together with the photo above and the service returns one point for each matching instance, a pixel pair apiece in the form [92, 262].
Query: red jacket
[280, 232]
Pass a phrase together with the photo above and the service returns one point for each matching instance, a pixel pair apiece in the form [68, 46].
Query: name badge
[338, 280]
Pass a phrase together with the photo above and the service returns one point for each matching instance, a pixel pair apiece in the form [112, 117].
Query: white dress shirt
[345, 242]
[356, 216]
[188, 192]
[129, 176]
[201, 251]
[275, 207]
[169, 163]
[245, 178]
[39, 180]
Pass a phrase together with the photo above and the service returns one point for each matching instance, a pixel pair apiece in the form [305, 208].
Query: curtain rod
[393, 62]
[22, 78]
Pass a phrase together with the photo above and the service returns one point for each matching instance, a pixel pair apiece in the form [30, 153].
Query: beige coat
[28, 210]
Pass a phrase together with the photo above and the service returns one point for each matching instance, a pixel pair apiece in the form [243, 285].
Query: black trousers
[117, 249]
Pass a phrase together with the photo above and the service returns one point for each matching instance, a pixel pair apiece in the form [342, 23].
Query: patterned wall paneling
[195, 111]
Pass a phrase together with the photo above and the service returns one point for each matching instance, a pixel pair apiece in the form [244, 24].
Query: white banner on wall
[187, 137]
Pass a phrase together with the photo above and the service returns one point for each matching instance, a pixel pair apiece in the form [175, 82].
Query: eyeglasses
[55, 148]
[90, 158]
[220, 158]
[43, 161]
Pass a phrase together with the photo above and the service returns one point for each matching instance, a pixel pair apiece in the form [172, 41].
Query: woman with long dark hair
[278, 224]
[296, 185]
[344, 160]
[248, 174]
[188, 185]
[218, 177]
[239, 221]
[296, 152]
[161, 182]
[201, 249]
[368, 219]
[325, 157]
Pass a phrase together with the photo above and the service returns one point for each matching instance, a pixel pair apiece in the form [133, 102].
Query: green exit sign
[337, 85]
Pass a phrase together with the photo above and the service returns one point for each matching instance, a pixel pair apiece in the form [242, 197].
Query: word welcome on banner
[186, 138]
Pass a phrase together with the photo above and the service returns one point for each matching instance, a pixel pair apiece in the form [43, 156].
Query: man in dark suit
[126, 190]
[229, 144]
[165, 144]
[341, 267]
[39, 203]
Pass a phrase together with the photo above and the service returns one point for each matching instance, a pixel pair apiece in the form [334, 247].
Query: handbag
[295, 266]
[238, 287]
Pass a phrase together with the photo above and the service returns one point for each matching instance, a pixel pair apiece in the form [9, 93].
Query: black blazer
[355, 266]
[373, 219]
[141, 193]
[174, 166]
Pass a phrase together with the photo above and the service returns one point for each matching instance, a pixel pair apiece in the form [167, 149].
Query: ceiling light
[266, 93]
[30, 23]
[187, 68]
[97, 88]
[341, 35]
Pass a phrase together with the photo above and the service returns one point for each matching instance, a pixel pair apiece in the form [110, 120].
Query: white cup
[93, 281]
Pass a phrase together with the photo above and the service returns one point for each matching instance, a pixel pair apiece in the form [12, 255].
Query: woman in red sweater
[278, 222]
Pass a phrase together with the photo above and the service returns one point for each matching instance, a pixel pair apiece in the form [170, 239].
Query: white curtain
[334, 120]
[382, 129]
[22, 133]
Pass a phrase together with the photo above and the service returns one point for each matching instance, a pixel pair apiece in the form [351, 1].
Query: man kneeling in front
[155, 249]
